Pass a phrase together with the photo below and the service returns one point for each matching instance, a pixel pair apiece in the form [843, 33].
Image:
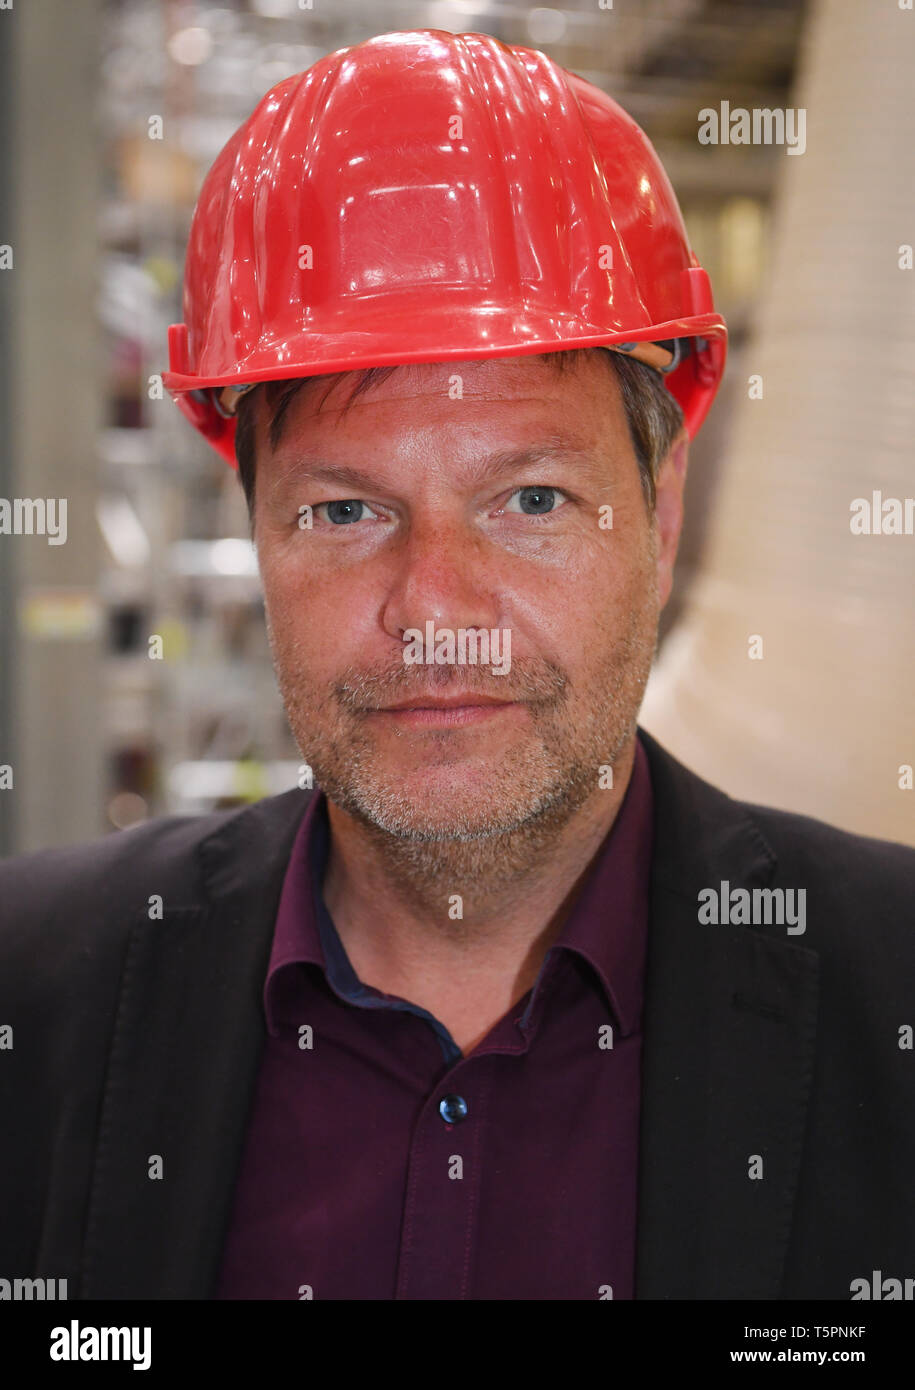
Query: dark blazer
[135, 1036]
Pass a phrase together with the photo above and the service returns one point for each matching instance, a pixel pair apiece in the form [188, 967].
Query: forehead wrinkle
[555, 449]
[475, 473]
[559, 366]
[358, 397]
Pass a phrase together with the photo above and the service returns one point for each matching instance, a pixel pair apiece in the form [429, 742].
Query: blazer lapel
[728, 1049]
[182, 1067]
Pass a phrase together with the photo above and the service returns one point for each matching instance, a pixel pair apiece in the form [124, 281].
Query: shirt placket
[445, 1170]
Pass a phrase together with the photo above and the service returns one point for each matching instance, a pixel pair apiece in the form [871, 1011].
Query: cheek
[291, 613]
[313, 610]
[589, 600]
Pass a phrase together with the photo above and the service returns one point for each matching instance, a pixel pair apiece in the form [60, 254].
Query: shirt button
[452, 1109]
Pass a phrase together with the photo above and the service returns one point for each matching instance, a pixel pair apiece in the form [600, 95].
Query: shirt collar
[606, 926]
[296, 938]
[608, 922]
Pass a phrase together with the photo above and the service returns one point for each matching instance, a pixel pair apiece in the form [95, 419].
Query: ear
[669, 486]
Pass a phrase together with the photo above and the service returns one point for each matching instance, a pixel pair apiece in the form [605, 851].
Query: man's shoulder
[858, 890]
[792, 835]
[69, 913]
[165, 843]
[842, 855]
[847, 877]
[82, 884]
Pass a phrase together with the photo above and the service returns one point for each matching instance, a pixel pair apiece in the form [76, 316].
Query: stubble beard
[497, 825]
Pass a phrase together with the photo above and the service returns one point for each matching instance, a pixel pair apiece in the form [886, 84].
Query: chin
[457, 802]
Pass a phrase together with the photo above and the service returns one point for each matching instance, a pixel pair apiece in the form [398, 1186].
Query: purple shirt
[362, 1177]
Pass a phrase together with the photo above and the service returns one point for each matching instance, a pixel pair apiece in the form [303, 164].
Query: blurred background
[786, 670]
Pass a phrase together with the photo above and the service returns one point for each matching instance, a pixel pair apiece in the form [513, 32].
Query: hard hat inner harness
[225, 398]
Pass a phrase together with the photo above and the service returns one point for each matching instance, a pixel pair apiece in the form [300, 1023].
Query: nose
[441, 572]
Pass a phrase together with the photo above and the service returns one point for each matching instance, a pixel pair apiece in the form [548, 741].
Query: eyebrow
[557, 448]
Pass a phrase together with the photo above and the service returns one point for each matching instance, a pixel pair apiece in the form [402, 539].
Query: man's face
[481, 510]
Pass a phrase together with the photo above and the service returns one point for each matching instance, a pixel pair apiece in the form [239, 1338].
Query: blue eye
[344, 512]
[535, 500]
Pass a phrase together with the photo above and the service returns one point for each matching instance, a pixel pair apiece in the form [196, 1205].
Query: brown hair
[654, 416]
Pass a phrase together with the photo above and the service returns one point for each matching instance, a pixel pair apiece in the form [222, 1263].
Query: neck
[408, 911]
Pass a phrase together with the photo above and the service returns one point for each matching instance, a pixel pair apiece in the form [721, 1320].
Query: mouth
[465, 700]
[451, 710]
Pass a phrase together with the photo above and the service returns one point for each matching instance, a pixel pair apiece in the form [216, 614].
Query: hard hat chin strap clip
[679, 347]
[226, 398]
[655, 354]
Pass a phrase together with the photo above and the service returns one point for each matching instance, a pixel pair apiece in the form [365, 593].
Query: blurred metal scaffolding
[52, 636]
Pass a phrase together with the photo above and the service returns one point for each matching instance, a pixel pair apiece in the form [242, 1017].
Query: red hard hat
[426, 197]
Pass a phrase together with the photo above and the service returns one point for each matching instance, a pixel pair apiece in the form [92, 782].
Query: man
[503, 1002]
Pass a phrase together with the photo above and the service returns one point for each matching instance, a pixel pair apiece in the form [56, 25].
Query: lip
[447, 713]
[464, 701]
